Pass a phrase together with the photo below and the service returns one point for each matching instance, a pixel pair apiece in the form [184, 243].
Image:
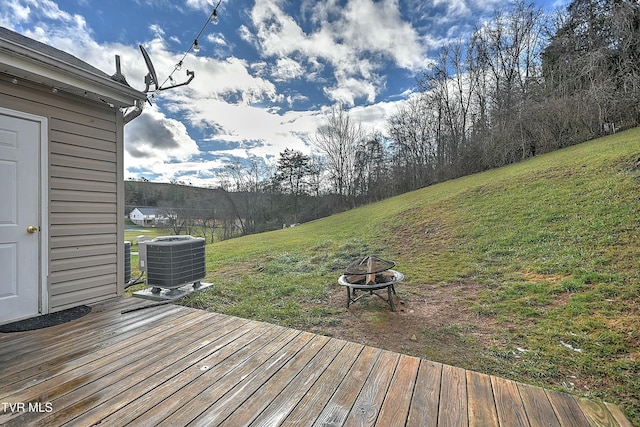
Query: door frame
[43, 214]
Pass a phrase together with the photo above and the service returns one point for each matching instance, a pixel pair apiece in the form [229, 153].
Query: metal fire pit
[369, 276]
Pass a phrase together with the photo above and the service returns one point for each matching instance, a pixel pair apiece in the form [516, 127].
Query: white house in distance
[149, 217]
[61, 179]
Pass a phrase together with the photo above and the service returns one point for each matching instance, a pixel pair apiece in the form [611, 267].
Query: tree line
[524, 83]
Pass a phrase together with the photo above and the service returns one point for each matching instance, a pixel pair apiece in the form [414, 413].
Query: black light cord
[213, 15]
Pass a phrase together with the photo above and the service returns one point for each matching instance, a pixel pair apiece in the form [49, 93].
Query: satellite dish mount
[152, 78]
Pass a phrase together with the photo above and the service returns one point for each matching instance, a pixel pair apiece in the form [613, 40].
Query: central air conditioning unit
[171, 262]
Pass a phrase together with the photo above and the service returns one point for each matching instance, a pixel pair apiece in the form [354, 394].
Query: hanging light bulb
[179, 66]
[196, 46]
[214, 16]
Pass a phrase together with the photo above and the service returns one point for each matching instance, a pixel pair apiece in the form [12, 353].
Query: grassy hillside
[534, 268]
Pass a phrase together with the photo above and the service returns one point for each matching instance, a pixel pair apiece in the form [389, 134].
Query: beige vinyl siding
[82, 207]
[85, 227]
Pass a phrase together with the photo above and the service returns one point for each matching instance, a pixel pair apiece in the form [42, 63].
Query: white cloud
[19, 14]
[204, 5]
[245, 34]
[378, 28]
[374, 117]
[559, 4]
[15, 13]
[217, 39]
[355, 40]
[455, 8]
[71, 34]
[220, 98]
[287, 69]
[243, 125]
[350, 89]
[229, 77]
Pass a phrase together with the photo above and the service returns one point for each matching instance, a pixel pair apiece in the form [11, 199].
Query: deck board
[160, 389]
[275, 385]
[426, 395]
[365, 410]
[43, 365]
[482, 411]
[16, 344]
[540, 413]
[509, 405]
[172, 365]
[567, 409]
[453, 408]
[117, 378]
[337, 409]
[53, 369]
[312, 404]
[254, 373]
[209, 377]
[284, 403]
[143, 389]
[395, 408]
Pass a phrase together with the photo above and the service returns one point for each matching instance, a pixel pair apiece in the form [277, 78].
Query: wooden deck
[175, 366]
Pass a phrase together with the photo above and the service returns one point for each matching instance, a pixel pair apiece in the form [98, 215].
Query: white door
[19, 216]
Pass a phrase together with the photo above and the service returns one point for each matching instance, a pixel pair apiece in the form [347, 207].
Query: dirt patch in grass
[431, 321]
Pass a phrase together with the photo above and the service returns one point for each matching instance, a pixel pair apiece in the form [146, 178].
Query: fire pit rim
[397, 277]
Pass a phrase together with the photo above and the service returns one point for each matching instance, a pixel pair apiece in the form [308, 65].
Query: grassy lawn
[545, 252]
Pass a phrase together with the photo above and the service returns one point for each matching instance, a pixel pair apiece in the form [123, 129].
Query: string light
[195, 47]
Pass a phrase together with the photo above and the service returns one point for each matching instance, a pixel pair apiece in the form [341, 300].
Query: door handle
[31, 229]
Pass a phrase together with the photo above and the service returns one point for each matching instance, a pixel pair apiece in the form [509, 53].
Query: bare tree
[413, 130]
[472, 110]
[508, 48]
[593, 65]
[371, 176]
[338, 140]
[243, 183]
[449, 87]
[626, 23]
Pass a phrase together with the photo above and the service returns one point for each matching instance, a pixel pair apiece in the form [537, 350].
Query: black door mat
[47, 320]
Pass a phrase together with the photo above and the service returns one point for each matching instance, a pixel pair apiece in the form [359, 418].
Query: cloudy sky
[265, 74]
